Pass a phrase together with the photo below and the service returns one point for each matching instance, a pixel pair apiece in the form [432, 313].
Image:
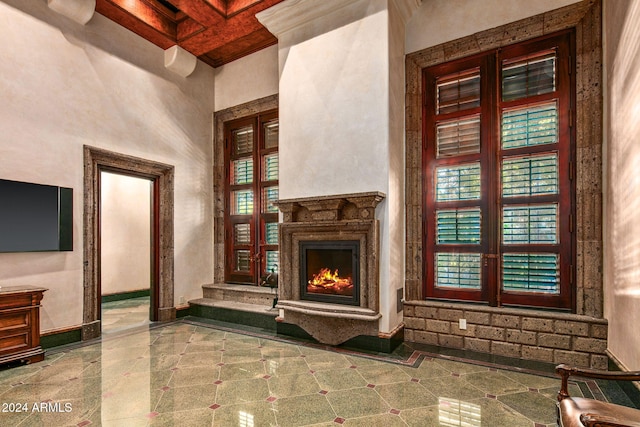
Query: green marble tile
[208, 358]
[155, 363]
[245, 414]
[235, 341]
[56, 374]
[340, 379]
[279, 352]
[191, 376]
[406, 395]
[177, 338]
[237, 371]
[357, 402]
[494, 413]
[169, 349]
[202, 346]
[293, 385]
[458, 367]
[552, 392]
[534, 406]
[241, 355]
[31, 392]
[187, 398]
[452, 388]
[425, 416]
[384, 420]
[242, 391]
[532, 381]
[303, 410]
[286, 366]
[191, 418]
[427, 369]
[327, 361]
[383, 373]
[494, 383]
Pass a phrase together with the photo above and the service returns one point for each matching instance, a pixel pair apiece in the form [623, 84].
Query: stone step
[243, 313]
[246, 294]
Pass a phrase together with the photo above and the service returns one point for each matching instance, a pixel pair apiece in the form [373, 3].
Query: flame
[327, 282]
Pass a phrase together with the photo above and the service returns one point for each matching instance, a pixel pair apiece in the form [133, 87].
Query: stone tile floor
[188, 373]
[124, 314]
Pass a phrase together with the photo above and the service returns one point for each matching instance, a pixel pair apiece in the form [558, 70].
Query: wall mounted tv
[35, 217]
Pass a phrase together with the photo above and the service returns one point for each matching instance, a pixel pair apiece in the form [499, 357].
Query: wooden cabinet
[20, 324]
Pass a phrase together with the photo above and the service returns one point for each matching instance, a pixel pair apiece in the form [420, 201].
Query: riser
[242, 294]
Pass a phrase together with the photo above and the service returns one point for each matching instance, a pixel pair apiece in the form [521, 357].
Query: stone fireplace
[329, 266]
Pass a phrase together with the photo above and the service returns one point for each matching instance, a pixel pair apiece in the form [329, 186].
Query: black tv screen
[35, 217]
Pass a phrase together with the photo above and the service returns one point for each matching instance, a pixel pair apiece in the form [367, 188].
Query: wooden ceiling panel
[158, 29]
[240, 47]
[216, 31]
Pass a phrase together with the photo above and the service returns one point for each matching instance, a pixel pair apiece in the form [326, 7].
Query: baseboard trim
[60, 337]
[126, 295]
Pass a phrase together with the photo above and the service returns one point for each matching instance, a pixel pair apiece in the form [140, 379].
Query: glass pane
[458, 182]
[271, 130]
[242, 202]
[530, 176]
[269, 195]
[458, 92]
[524, 127]
[457, 270]
[530, 224]
[531, 273]
[458, 137]
[243, 261]
[272, 261]
[458, 226]
[270, 167]
[242, 234]
[271, 233]
[242, 171]
[529, 77]
[243, 140]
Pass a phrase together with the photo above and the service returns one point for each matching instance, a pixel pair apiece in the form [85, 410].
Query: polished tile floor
[124, 314]
[191, 374]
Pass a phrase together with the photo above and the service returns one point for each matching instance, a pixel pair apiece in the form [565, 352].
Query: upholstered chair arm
[595, 420]
[565, 371]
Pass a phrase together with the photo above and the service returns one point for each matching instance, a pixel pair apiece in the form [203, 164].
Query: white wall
[125, 239]
[439, 21]
[622, 182]
[252, 77]
[64, 85]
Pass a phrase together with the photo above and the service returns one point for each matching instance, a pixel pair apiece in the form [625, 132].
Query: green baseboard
[360, 343]
[61, 338]
[126, 295]
[183, 312]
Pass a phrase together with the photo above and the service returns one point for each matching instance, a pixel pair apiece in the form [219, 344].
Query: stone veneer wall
[512, 332]
[551, 340]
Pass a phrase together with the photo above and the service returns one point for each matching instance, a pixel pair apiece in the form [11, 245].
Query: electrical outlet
[181, 299]
[462, 323]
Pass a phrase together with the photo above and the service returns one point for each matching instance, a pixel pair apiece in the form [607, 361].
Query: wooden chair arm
[565, 371]
[595, 420]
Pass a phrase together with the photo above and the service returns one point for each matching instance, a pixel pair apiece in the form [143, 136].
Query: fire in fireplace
[329, 271]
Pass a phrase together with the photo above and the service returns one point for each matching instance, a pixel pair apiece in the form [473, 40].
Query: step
[242, 313]
[247, 294]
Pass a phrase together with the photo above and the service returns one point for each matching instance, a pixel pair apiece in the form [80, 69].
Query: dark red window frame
[258, 245]
[490, 157]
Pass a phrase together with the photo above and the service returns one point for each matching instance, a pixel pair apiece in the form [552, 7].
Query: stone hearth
[347, 217]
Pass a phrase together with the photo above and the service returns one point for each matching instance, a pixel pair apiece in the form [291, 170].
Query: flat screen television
[35, 217]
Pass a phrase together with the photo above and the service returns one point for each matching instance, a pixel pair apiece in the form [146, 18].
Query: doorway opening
[160, 176]
[126, 238]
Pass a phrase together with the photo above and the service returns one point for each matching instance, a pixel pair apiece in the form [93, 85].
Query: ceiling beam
[140, 18]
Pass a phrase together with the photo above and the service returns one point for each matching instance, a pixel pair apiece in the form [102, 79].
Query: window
[251, 219]
[497, 176]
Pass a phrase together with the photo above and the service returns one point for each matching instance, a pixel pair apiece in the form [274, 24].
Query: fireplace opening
[329, 271]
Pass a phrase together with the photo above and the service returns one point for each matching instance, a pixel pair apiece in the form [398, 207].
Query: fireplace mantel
[346, 217]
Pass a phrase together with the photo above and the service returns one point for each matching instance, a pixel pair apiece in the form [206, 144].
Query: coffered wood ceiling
[215, 31]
